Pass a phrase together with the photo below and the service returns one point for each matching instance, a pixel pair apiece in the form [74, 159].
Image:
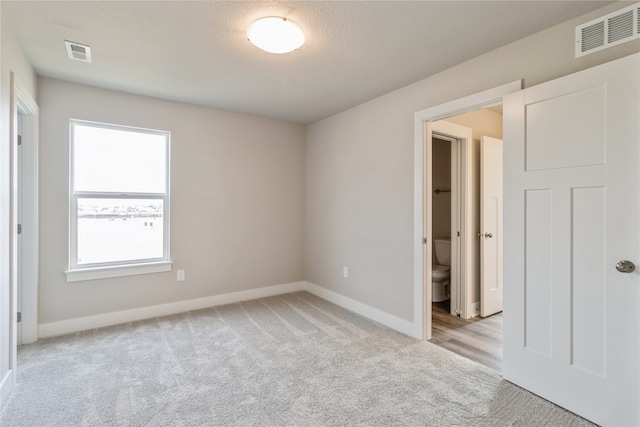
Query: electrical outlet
[345, 272]
[180, 275]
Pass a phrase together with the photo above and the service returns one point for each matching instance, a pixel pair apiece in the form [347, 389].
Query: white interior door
[490, 226]
[572, 192]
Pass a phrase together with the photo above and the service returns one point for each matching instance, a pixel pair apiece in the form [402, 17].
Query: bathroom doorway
[456, 214]
[456, 152]
[445, 265]
[450, 223]
[424, 121]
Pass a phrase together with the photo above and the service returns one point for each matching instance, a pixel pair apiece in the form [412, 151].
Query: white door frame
[23, 104]
[423, 193]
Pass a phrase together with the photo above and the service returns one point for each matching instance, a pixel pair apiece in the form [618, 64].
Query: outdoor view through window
[119, 195]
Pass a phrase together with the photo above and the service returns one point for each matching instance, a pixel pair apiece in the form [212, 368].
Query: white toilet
[440, 288]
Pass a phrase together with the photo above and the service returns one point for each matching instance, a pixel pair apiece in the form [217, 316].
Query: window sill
[83, 274]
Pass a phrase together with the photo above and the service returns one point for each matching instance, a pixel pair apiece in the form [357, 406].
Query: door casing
[27, 168]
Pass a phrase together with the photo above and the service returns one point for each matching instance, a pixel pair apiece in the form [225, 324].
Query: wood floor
[478, 339]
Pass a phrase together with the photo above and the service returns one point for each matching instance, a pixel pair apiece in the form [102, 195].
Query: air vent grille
[78, 51]
[609, 30]
[620, 27]
[592, 37]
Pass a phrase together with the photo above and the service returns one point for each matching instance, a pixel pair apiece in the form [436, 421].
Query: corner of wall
[371, 313]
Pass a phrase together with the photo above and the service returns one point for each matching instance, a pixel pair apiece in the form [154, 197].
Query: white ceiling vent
[610, 30]
[78, 51]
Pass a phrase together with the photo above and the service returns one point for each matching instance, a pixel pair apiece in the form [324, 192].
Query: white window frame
[117, 268]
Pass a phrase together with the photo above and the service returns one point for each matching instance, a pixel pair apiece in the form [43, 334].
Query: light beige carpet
[292, 360]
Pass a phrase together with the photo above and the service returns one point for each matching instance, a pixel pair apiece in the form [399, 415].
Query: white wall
[237, 202]
[12, 60]
[359, 167]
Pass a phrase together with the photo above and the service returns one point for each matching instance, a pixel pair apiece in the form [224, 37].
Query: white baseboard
[63, 327]
[46, 330]
[475, 309]
[393, 322]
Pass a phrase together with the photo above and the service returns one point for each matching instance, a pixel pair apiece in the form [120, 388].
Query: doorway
[475, 207]
[445, 290]
[23, 127]
[24, 133]
[463, 240]
[450, 215]
[423, 247]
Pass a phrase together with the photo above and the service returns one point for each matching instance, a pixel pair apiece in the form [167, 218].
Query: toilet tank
[443, 251]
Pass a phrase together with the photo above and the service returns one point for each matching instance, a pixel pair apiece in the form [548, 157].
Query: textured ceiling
[197, 51]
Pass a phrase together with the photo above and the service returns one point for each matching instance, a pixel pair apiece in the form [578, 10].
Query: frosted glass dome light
[275, 35]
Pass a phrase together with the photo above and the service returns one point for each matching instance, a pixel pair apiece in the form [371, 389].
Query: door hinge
[19, 317]
[19, 228]
[19, 139]
[424, 240]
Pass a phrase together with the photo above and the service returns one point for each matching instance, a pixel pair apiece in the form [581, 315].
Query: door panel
[546, 124]
[538, 281]
[572, 196]
[587, 275]
[491, 226]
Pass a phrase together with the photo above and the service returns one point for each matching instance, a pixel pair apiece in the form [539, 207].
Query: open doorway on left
[24, 214]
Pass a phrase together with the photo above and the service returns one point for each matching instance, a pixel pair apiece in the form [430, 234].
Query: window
[119, 212]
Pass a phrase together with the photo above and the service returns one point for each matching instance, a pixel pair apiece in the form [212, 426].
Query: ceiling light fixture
[275, 35]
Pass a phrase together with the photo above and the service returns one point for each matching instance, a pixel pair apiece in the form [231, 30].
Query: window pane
[114, 160]
[111, 230]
